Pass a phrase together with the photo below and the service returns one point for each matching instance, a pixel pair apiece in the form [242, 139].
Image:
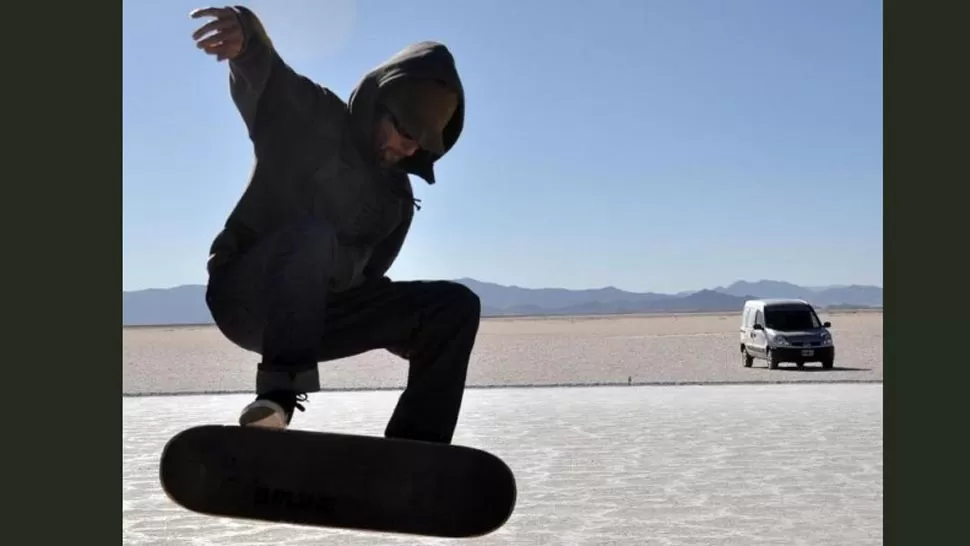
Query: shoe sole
[262, 416]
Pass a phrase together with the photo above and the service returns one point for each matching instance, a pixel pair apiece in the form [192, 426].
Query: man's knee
[448, 308]
[458, 297]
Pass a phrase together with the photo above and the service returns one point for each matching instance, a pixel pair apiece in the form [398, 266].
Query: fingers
[231, 36]
[225, 25]
[222, 37]
[212, 12]
[222, 51]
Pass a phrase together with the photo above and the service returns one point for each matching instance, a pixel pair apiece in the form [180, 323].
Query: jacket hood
[424, 60]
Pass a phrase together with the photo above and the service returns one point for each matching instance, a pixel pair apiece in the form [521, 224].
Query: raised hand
[223, 36]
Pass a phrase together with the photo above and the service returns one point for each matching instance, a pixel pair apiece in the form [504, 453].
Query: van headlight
[826, 338]
[780, 340]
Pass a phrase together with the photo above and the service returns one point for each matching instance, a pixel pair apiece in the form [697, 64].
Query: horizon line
[459, 279]
[499, 386]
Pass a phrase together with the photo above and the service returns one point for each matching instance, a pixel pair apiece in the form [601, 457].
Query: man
[298, 272]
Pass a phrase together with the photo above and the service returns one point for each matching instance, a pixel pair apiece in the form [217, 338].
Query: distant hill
[179, 305]
[186, 304]
[826, 296]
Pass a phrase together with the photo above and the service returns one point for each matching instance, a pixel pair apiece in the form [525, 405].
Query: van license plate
[808, 352]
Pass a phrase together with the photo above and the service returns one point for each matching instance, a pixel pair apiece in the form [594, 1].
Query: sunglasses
[396, 123]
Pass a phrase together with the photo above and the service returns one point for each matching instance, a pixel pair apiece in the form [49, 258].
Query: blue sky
[644, 144]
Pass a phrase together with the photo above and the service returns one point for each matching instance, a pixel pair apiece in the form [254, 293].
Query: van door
[745, 324]
[758, 340]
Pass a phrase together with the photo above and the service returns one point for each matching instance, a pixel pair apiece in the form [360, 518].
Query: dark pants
[276, 300]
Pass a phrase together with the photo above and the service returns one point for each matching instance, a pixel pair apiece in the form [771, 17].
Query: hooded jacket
[315, 156]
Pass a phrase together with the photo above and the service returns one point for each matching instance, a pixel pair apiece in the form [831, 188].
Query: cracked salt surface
[690, 465]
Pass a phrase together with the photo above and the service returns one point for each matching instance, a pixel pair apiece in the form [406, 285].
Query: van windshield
[791, 318]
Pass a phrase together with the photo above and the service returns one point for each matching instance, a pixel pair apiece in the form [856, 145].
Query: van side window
[759, 318]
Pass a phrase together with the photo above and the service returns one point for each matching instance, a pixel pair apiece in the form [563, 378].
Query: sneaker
[272, 410]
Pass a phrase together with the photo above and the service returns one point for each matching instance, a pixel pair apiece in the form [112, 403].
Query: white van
[784, 330]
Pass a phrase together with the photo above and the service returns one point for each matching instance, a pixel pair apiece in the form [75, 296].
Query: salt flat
[690, 465]
[518, 351]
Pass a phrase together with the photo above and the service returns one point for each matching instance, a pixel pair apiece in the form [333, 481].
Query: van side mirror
[758, 327]
[827, 324]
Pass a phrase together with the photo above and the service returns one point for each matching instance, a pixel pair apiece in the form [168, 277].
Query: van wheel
[800, 364]
[827, 364]
[772, 361]
[746, 359]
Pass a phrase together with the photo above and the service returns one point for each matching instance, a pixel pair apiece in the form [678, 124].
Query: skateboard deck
[343, 481]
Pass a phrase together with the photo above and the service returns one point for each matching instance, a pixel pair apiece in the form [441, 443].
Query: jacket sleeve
[267, 92]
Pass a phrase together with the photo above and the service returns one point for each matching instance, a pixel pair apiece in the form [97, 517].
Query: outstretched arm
[266, 91]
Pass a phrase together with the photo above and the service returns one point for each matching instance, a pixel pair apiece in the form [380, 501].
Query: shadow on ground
[817, 368]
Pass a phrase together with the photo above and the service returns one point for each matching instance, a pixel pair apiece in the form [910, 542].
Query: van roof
[776, 301]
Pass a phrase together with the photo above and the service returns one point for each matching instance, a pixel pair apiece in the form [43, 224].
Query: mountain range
[186, 304]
